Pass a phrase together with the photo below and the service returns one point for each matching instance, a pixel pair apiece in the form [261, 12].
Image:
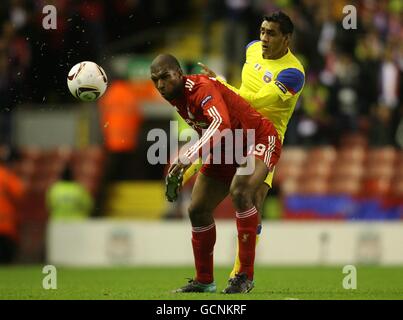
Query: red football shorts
[267, 147]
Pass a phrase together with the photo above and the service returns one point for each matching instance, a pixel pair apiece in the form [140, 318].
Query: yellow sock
[237, 263]
[191, 171]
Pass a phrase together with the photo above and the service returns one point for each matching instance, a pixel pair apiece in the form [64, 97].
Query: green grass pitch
[156, 283]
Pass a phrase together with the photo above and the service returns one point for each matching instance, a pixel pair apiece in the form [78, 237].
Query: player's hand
[173, 185]
[173, 181]
[207, 71]
[178, 169]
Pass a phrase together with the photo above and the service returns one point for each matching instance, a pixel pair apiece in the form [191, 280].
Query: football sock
[247, 222]
[237, 263]
[203, 241]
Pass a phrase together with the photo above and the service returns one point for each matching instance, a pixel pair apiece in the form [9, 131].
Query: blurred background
[75, 183]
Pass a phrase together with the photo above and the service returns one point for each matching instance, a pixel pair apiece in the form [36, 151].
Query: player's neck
[179, 96]
[279, 56]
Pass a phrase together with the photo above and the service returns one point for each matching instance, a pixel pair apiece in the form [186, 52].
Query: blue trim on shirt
[292, 78]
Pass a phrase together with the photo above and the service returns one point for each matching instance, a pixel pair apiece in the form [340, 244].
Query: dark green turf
[25, 282]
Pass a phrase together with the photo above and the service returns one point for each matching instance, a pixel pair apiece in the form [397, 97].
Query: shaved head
[167, 76]
[167, 61]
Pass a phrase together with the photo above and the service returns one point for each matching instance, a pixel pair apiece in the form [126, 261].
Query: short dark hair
[286, 25]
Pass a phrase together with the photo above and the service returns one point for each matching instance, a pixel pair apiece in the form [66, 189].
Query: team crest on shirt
[267, 76]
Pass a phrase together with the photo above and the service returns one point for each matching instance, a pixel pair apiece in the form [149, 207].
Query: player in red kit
[210, 108]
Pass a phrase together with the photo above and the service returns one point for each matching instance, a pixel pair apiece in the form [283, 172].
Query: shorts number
[259, 149]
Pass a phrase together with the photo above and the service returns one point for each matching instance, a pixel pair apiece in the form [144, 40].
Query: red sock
[246, 223]
[203, 241]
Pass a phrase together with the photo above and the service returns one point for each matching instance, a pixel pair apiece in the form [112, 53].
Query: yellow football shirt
[271, 86]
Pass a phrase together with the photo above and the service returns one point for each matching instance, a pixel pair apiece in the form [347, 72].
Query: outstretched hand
[207, 71]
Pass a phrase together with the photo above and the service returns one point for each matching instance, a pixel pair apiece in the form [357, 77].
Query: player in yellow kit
[272, 80]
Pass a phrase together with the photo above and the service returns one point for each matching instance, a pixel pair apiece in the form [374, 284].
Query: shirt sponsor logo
[281, 86]
[205, 100]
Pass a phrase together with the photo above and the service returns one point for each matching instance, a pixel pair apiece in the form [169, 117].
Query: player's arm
[207, 71]
[195, 167]
[288, 82]
[216, 114]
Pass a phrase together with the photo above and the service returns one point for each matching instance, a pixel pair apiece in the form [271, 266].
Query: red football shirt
[208, 104]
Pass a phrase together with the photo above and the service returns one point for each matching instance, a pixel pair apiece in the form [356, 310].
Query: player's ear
[287, 39]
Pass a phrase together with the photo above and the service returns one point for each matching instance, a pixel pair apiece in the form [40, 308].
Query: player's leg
[259, 199]
[243, 190]
[206, 196]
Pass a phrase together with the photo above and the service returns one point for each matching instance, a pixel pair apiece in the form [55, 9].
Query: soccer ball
[87, 81]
